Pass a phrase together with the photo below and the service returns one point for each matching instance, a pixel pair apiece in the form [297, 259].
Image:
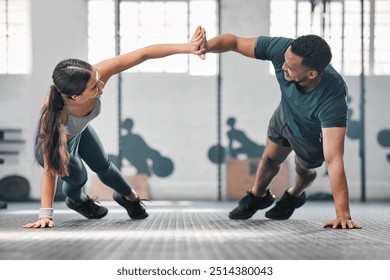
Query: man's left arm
[333, 143]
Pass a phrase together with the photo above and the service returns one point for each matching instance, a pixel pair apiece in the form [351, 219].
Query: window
[381, 42]
[339, 22]
[152, 22]
[15, 40]
[101, 30]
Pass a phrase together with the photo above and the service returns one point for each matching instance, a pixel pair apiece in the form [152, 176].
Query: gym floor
[195, 230]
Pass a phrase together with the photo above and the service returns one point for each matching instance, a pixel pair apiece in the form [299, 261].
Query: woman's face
[94, 86]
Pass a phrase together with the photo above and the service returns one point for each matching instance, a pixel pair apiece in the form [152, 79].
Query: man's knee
[307, 173]
[270, 163]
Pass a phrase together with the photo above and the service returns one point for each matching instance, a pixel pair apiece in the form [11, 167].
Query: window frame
[370, 51]
[192, 65]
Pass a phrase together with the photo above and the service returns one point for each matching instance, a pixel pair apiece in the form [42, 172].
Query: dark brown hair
[70, 77]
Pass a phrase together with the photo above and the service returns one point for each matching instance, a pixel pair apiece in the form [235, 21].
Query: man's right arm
[229, 42]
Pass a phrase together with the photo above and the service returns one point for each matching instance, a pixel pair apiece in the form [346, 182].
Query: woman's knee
[73, 191]
[75, 181]
[78, 175]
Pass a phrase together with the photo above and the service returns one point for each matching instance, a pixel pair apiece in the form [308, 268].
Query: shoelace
[140, 201]
[144, 199]
[92, 201]
[140, 208]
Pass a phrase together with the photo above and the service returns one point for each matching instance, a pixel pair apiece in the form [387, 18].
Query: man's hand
[41, 223]
[197, 42]
[341, 223]
[203, 46]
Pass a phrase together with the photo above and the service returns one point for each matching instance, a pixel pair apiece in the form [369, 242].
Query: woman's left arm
[115, 65]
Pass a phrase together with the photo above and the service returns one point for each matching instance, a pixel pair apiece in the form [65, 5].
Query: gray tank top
[75, 124]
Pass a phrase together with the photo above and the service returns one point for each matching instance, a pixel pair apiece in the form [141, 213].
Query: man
[310, 120]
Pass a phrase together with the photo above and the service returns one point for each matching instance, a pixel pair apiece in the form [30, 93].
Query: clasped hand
[198, 42]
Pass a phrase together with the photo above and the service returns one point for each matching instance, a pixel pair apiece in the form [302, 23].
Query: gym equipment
[14, 188]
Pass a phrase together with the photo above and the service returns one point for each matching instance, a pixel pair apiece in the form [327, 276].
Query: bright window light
[144, 23]
[15, 40]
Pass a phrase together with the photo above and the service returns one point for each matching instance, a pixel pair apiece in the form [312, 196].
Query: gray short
[309, 154]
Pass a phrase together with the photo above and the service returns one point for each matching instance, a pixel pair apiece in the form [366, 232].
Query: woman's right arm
[48, 189]
[115, 65]
[47, 196]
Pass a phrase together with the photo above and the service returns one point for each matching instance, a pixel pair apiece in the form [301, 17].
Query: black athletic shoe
[249, 204]
[135, 209]
[90, 209]
[285, 207]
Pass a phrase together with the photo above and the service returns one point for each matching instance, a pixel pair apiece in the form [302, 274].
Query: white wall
[176, 113]
[58, 31]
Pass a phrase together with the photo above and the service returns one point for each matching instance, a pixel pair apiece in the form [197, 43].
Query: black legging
[88, 148]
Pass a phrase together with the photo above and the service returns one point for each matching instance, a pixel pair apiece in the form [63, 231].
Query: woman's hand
[41, 223]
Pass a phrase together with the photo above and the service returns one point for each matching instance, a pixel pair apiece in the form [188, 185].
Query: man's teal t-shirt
[306, 113]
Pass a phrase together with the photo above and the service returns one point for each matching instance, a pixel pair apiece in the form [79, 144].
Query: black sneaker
[285, 207]
[135, 209]
[90, 209]
[249, 204]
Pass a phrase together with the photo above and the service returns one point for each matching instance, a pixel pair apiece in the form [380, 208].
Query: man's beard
[295, 81]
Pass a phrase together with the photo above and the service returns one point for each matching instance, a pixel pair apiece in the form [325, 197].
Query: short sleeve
[335, 114]
[272, 48]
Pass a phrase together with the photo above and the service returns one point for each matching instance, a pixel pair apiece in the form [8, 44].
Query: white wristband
[46, 213]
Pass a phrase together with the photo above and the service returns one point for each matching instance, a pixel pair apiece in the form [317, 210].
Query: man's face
[293, 70]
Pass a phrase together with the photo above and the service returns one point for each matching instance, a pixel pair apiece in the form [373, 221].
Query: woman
[65, 138]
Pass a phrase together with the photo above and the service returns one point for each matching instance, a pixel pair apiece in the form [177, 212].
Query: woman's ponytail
[53, 137]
